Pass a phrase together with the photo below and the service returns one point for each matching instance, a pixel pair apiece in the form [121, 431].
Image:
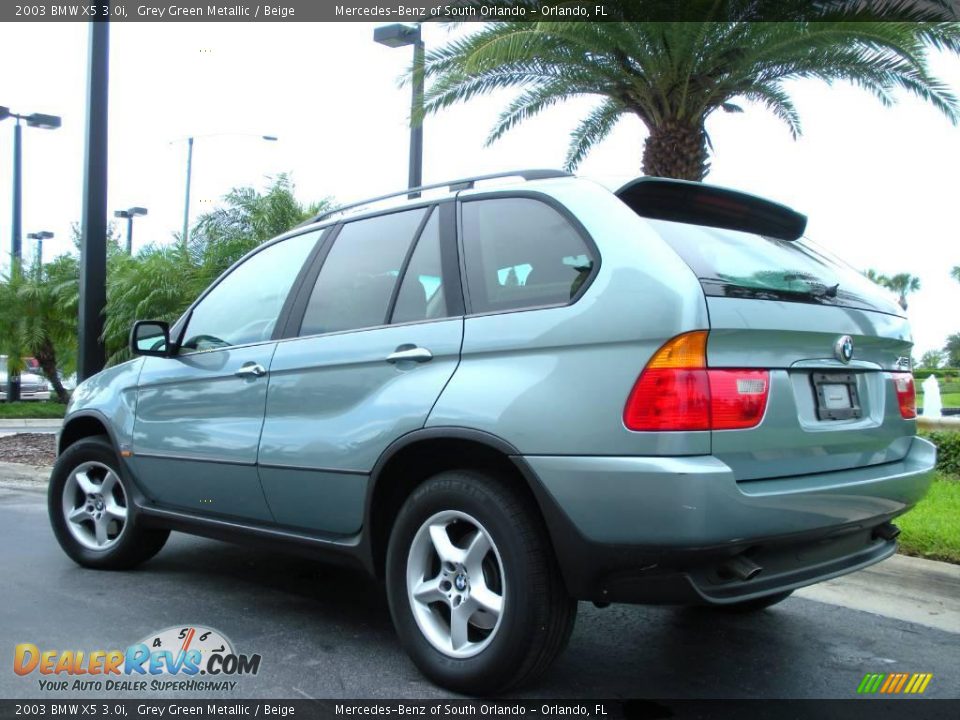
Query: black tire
[132, 545]
[748, 606]
[538, 615]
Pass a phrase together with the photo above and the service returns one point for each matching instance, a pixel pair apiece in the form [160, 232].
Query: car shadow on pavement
[621, 651]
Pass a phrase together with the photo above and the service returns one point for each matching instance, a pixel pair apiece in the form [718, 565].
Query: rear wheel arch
[418, 456]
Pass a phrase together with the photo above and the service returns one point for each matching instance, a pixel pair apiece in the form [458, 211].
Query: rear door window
[422, 294]
[521, 253]
[360, 272]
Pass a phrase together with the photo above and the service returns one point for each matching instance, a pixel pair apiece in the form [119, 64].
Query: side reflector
[906, 394]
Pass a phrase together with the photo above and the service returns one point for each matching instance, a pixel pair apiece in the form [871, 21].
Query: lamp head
[396, 35]
[44, 122]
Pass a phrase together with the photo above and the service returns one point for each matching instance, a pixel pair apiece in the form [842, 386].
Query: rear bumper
[38, 395]
[662, 530]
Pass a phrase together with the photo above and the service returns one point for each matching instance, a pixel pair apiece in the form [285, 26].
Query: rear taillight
[676, 391]
[906, 394]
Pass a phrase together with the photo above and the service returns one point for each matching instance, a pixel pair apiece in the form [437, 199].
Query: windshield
[739, 264]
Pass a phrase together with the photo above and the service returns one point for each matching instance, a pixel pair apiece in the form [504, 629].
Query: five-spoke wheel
[474, 589]
[92, 510]
[95, 505]
[455, 583]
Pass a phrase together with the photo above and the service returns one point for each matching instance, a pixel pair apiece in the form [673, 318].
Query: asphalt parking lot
[325, 632]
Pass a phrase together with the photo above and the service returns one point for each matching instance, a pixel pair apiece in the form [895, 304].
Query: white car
[33, 386]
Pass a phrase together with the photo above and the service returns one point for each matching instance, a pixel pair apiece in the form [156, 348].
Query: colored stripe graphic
[894, 683]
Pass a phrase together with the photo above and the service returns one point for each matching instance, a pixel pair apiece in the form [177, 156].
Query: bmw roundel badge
[843, 349]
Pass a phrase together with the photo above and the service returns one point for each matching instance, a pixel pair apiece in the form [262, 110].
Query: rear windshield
[730, 263]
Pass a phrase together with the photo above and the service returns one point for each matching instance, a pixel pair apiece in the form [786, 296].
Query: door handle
[409, 354]
[251, 369]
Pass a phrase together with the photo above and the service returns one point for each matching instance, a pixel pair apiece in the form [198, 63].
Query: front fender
[110, 397]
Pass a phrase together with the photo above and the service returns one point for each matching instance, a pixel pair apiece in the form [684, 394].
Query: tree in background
[876, 277]
[952, 350]
[161, 282]
[931, 360]
[38, 317]
[903, 284]
[674, 75]
[955, 273]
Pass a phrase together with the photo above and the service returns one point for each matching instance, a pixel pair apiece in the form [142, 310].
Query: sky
[879, 184]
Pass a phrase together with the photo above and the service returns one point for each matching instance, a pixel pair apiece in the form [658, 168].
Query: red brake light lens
[676, 391]
[669, 399]
[906, 394]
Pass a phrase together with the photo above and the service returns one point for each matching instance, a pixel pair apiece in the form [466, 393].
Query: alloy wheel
[455, 584]
[95, 505]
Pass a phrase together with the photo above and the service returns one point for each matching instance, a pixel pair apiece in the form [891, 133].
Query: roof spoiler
[699, 204]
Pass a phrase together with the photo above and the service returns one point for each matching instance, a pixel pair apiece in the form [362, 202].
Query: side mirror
[150, 337]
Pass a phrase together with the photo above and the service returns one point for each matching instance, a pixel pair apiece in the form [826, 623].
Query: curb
[30, 422]
[940, 423]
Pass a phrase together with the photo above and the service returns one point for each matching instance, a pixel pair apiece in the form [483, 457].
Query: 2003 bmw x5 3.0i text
[522, 392]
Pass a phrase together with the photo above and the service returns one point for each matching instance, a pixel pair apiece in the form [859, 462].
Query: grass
[932, 529]
[29, 410]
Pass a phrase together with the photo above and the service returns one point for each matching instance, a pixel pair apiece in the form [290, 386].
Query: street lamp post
[129, 214]
[185, 235]
[400, 35]
[44, 122]
[40, 237]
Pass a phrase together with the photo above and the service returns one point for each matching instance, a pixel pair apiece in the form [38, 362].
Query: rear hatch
[780, 303]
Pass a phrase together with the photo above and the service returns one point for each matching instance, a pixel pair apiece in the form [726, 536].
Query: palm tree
[674, 75]
[955, 273]
[876, 277]
[903, 284]
[49, 322]
[38, 317]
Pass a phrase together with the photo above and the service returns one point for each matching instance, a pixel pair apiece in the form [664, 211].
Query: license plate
[837, 397]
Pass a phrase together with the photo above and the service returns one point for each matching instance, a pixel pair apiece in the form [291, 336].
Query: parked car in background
[507, 398]
[33, 385]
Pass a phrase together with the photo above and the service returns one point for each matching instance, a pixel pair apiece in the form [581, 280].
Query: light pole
[40, 237]
[185, 235]
[400, 35]
[91, 354]
[44, 122]
[129, 214]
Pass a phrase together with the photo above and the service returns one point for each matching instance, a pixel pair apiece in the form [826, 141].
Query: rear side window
[731, 263]
[521, 253]
[421, 295]
[358, 276]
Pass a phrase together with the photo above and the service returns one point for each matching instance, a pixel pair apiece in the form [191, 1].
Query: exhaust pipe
[888, 531]
[741, 567]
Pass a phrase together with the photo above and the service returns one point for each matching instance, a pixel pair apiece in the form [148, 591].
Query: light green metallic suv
[512, 396]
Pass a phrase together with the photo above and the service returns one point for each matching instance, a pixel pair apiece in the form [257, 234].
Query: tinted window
[244, 306]
[741, 264]
[521, 253]
[421, 295]
[358, 276]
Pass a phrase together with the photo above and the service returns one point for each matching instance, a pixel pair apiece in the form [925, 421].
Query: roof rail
[452, 185]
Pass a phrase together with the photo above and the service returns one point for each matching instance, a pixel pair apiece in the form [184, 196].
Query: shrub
[948, 450]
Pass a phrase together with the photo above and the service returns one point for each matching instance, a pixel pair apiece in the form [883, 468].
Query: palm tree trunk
[676, 149]
[47, 358]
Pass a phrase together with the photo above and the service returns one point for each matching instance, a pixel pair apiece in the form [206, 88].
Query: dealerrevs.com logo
[179, 658]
